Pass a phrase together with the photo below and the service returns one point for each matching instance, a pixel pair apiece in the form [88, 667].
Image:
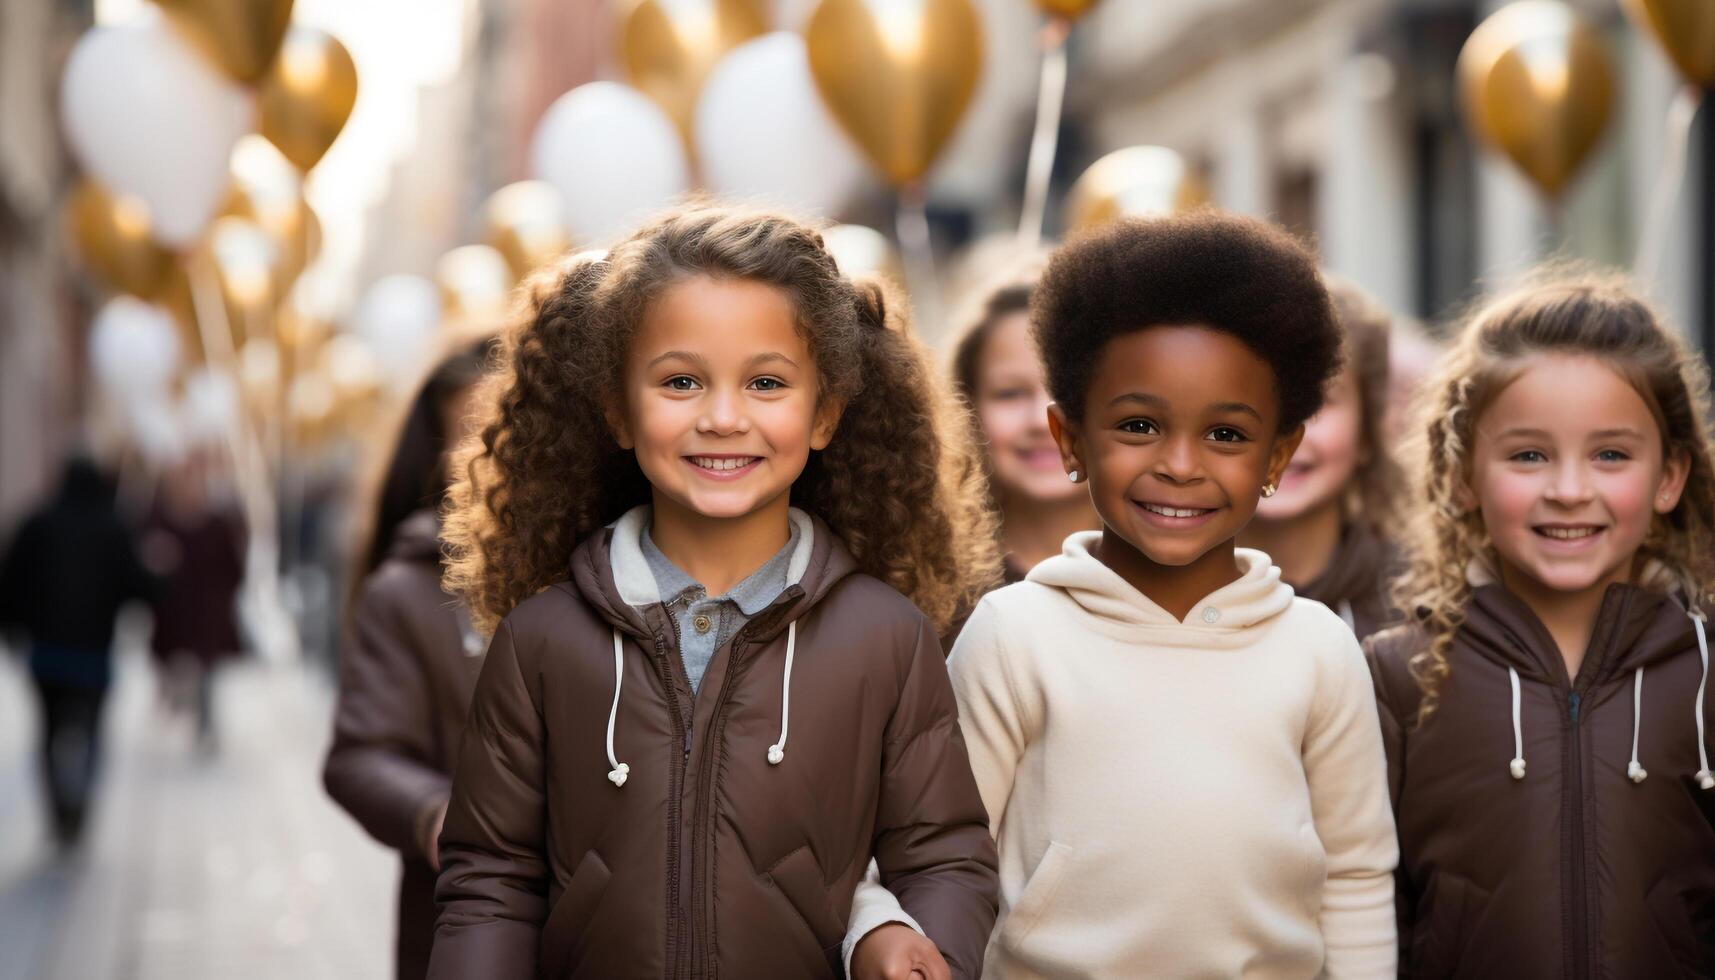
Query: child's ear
[1675, 470]
[1066, 436]
[616, 424]
[828, 415]
[1284, 446]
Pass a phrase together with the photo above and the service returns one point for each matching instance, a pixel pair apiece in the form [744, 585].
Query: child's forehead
[1567, 394]
[1192, 363]
[720, 318]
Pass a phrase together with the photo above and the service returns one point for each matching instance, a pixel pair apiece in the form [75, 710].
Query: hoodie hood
[417, 538]
[1256, 595]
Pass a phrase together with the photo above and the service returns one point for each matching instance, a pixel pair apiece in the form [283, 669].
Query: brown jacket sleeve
[932, 838]
[1387, 654]
[494, 876]
[378, 767]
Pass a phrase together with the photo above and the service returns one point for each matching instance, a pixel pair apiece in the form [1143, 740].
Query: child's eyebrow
[1156, 401]
[771, 356]
[1240, 407]
[683, 355]
[1625, 432]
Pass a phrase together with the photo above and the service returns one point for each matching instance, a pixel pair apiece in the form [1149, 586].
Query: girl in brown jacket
[408, 662]
[713, 480]
[1329, 524]
[1544, 715]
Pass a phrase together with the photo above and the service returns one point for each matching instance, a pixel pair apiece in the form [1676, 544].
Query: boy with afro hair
[1180, 759]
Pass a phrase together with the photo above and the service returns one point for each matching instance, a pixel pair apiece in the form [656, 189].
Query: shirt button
[1210, 614]
[702, 624]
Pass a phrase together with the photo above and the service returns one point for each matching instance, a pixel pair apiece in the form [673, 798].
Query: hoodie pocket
[1037, 895]
[798, 877]
[563, 933]
[1684, 914]
[1444, 919]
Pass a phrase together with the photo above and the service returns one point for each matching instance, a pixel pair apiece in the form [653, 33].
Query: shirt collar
[752, 595]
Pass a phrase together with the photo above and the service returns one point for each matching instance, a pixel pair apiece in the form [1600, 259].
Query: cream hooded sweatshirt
[1204, 798]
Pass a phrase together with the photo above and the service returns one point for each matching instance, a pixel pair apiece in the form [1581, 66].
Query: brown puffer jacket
[1571, 869]
[622, 828]
[1356, 581]
[408, 665]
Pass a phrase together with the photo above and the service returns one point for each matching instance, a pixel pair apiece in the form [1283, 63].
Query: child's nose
[723, 414]
[1570, 485]
[1178, 460]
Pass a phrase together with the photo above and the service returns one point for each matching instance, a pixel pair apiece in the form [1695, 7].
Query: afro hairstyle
[1234, 274]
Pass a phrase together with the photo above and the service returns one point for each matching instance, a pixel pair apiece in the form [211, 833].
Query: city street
[230, 866]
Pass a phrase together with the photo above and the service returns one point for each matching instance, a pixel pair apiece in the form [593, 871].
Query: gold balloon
[1136, 182]
[1686, 31]
[1069, 9]
[307, 96]
[670, 46]
[523, 224]
[241, 36]
[1538, 85]
[112, 235]
[897, 75]
[268, 191]
[475, 284]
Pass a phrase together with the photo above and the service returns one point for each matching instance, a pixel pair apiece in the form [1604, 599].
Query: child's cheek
[1629, 498]
[1507, 500]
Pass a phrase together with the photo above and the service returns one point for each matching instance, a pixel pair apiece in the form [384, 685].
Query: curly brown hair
[1379, 481]
[899, 483]
[1576, 313]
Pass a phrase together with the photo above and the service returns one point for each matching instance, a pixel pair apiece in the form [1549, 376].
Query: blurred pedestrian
[69, 570]
[197, 548]
[409, 660]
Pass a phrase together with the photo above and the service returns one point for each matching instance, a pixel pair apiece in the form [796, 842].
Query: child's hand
[896, 951]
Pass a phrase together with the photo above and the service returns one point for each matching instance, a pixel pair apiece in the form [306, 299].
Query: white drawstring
[1705, 778]
[1516, 767]
[620, 770]
[1634, 771]
[777, 751]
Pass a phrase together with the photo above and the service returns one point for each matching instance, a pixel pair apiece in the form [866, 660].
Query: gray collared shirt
[704, 622]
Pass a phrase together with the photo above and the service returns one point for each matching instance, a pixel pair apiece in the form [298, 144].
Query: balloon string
[1045, 142]
[275, 632]
[1652, 240]
[912, 225]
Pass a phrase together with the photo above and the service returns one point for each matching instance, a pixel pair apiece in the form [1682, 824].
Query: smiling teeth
[709, 463]
[1173, 511]
[1569, 533]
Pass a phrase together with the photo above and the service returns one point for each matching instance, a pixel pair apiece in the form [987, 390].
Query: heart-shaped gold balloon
[1136, 182]
[897, 75]
[1686, 31]
[1069, 9]
[669, 47]
[523, 224]
[308, 95]
[1538, 85]
[241, 36]
[112, 235]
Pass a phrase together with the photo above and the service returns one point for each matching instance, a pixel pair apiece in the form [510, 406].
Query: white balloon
[148, 117]
[397, 318]
[613, 155]
[210, 405]
[133, 349]
[763, 133]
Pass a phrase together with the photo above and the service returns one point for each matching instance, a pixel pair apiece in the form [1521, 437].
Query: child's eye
[1528, 456]
[1010, 394]
[682, 382]
[1226, 433]
[1138, 427]
[1612, 456]
[768, 384]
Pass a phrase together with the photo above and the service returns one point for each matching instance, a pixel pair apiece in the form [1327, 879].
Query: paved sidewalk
[234, 866]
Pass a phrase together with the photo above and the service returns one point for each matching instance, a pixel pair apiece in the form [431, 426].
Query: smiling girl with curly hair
[719, 501]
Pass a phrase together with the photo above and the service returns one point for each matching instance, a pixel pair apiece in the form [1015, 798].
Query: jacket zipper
[702, 858]
[1580, 901]
[674, 812]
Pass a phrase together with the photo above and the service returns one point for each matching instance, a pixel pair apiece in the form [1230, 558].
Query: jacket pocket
[1445, 916]
[563, 933]
[798, 877]
[1684, 914]
[1037, 895]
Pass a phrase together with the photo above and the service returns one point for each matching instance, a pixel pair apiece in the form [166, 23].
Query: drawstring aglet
[1706, 779]
[1517, 768]
[776, 754]
[617, 776]
[1636, 773]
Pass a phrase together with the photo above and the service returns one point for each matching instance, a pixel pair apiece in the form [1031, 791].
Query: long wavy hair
[1379, 481]
[899, 482]
[1565, 313]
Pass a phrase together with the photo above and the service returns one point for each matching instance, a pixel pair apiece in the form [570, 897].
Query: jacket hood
[417, 538]
[1256, 595]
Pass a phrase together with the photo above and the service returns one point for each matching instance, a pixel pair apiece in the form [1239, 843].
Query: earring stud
[1073, 476]
[1268, 489]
